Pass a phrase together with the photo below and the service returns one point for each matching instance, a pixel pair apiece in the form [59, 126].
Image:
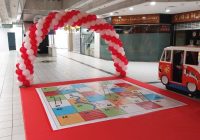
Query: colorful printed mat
[77, 104]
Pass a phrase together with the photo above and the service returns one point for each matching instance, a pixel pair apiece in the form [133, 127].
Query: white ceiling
[10, 9]
[146, 8]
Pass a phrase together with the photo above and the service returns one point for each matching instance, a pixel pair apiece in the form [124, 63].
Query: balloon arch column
[54, 20]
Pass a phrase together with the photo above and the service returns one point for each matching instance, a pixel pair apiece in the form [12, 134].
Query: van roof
[184, 48]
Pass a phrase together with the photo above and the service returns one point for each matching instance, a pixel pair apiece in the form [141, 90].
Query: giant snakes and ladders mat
[78, 104]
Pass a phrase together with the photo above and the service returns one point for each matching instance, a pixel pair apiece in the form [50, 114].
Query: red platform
[182, 123]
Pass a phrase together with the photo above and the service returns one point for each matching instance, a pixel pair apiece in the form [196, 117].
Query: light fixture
[131, 8]
[111, 13]
[167, 10]
[119, 17]
[152, 3]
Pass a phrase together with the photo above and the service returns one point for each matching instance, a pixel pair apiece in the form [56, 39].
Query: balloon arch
[54, 20]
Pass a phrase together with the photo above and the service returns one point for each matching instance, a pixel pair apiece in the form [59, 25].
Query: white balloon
[30, 52]
[27, 33]
[39, 39]
[32, 58]
[27, 45]
[31, 82]
[80, 16]
[20, 60]
[117, 73]
[58, 16]
[54, 22]
[19, 83]
[123, 52]
[30, 77]
[74, 19]
[70, 22]
[22, 66]
[26, 39]
[38, 33]
[26, 72]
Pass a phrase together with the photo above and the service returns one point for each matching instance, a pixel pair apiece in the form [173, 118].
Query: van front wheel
[191, 87]
[164, 80]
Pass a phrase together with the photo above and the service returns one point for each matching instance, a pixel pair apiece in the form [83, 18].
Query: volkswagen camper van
[180, 65]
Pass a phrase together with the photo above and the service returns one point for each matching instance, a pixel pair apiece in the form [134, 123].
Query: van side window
[191, 58]
[168, 55]
[163, 56]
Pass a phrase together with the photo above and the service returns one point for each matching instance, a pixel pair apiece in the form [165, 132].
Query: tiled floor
[66, 66]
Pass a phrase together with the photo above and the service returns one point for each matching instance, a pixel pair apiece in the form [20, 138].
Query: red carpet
[182, 123]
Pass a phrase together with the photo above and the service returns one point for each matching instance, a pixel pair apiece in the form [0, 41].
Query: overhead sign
[136, 19]
[186, 17]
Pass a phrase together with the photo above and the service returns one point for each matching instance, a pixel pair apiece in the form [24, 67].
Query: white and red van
[181, 65]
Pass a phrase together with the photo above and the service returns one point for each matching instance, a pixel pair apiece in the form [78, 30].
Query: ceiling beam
[128, 3]
[75, 4]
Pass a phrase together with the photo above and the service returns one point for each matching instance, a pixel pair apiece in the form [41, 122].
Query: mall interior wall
[4, 37]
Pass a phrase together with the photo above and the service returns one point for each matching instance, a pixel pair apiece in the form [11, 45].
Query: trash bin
[52, 51]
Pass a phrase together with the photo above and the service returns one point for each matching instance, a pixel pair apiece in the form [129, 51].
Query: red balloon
[26, 83]
[17, 65]
[19, 72]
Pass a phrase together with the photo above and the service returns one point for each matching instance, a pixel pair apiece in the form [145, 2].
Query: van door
[165, 67]
[178, 61]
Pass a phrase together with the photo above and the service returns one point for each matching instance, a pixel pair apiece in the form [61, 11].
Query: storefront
[143, 36]
[186, 28]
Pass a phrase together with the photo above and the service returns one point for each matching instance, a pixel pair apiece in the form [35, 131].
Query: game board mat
[177, 123]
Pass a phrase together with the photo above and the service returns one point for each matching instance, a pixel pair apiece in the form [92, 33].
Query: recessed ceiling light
[131, 8]
[152, 3]
[167, 10]
[111, 13]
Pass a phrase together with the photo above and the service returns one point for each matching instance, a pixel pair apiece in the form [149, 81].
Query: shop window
[192, 58]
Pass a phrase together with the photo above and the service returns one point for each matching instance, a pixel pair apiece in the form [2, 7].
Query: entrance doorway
[11, 41]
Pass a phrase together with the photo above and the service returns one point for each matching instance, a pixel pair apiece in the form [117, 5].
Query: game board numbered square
[49, 89]
[95, 98]
[103, 104]
[80, 107]
[59, 103]
[136, 99]
[120, 101]
[51, 93]
[132, 108]
[148, 105]
[165, 103]
[78, 100]
[117, 89]
[88, 93]
[84, 89]
[113, 111]
[152, 96]
[67, 91]
[92, 115]
[70, 119]
[126, 94]
[77, 86]
[55, 98]
[112, 97]
[60, 111]
[74, 95]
